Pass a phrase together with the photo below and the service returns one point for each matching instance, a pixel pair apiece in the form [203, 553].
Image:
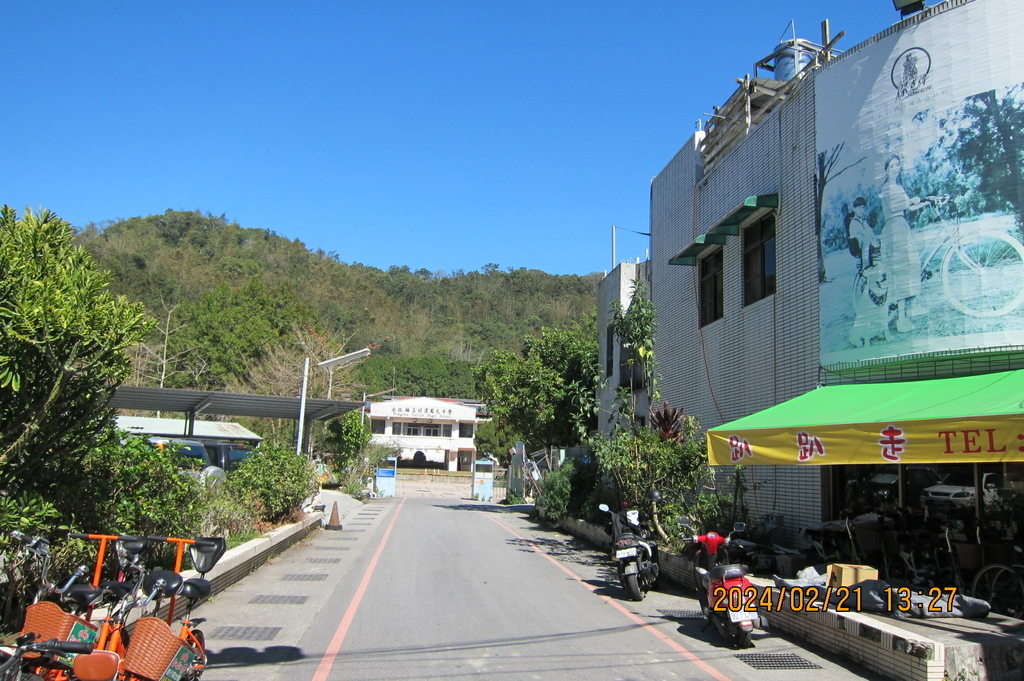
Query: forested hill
[238, 307]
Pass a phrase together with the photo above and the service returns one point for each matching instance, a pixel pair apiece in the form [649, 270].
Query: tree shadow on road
[240, 656]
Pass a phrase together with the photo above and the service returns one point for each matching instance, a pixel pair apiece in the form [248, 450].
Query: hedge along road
[421, 588]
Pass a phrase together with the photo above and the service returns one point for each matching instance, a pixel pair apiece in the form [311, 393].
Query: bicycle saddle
[206, 551]
[195, 588]
[116, 590]
[83, 595]
[172, 582]
[136, 547]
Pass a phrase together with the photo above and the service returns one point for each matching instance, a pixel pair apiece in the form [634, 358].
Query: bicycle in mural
[980, 263]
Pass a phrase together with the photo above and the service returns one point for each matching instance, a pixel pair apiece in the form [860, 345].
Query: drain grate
[353, 530]
[360, 524]
[776, 661]
[332, 548]
[683, 614]
[305, 578]
[324, 561]
[276, 599]
[246, 633]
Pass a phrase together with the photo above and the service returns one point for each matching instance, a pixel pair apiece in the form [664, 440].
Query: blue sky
[436, 134]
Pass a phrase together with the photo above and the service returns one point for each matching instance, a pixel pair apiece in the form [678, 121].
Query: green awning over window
[728, 226]
[731, 224]
[688, 256]
[951, 420]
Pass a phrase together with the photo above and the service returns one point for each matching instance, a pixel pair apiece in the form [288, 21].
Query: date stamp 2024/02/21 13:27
[821, 598]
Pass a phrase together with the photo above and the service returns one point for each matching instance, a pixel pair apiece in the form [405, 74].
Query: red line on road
[711, 671]
[323, 670]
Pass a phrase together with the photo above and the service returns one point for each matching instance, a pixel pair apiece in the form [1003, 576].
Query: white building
[427, 432]
[617, 372]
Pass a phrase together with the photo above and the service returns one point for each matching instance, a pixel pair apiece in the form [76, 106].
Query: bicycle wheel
[198, 642]
[1002, 587]
[983, 274]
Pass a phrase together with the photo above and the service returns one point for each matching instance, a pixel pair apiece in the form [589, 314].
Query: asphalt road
[431, 588]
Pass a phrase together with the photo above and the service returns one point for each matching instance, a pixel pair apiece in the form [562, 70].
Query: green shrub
[556, 492]
[135, 489]
[278, 478]
[227, 515]
[513, 499]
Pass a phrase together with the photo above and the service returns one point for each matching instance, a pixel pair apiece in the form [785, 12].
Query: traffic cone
[335, 522]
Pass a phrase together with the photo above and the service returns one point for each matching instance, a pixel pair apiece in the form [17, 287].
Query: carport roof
[226, 404]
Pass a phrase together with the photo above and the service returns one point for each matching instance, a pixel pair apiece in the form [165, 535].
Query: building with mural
[838, 269]
[427, 432]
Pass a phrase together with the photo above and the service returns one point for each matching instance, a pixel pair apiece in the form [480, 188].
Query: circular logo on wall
[910, 72]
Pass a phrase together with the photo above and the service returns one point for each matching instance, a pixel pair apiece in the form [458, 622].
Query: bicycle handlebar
[79, 572]
[28, 644]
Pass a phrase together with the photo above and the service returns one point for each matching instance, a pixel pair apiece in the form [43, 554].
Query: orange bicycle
[154, 651]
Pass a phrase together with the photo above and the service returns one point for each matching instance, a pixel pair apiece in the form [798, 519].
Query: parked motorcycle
[723, 590]
[634, 549]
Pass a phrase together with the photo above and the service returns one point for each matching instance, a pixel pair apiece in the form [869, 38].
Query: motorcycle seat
[721, 573]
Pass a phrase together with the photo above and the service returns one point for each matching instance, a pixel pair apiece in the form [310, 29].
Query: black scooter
[635, 550]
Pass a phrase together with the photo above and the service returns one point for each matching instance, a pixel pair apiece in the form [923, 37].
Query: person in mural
[870, 287]
[860, 238]
[899, 250]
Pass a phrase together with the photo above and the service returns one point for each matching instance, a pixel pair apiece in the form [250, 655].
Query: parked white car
[959, 492]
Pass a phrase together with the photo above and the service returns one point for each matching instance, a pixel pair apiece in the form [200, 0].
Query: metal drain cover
[279, 599]
[683, 614]
[324, 561]
[776, 661]
[246, 633]
[319, 577]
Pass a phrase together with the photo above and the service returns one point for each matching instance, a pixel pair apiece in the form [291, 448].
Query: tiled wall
[756, 355]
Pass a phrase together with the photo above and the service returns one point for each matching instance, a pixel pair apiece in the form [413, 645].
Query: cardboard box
[790, 564]
[842, 574]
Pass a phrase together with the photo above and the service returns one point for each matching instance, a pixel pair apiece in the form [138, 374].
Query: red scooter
[726, 596]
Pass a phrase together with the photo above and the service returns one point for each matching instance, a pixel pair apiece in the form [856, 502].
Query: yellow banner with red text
[978, 439]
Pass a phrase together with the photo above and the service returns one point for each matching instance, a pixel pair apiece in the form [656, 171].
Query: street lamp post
[331, 364]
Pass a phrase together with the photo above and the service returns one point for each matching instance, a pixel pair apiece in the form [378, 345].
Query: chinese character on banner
[739, 448]
[892, 443]
[809, 446]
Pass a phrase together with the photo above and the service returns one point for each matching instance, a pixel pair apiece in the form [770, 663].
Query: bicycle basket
[47, 620]
[155, 653]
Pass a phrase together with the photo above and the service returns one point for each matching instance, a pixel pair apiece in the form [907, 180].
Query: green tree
[548, 393]
[63, 341]
[635, 328]
[346, 438]
[491, 438]
[227, 333]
